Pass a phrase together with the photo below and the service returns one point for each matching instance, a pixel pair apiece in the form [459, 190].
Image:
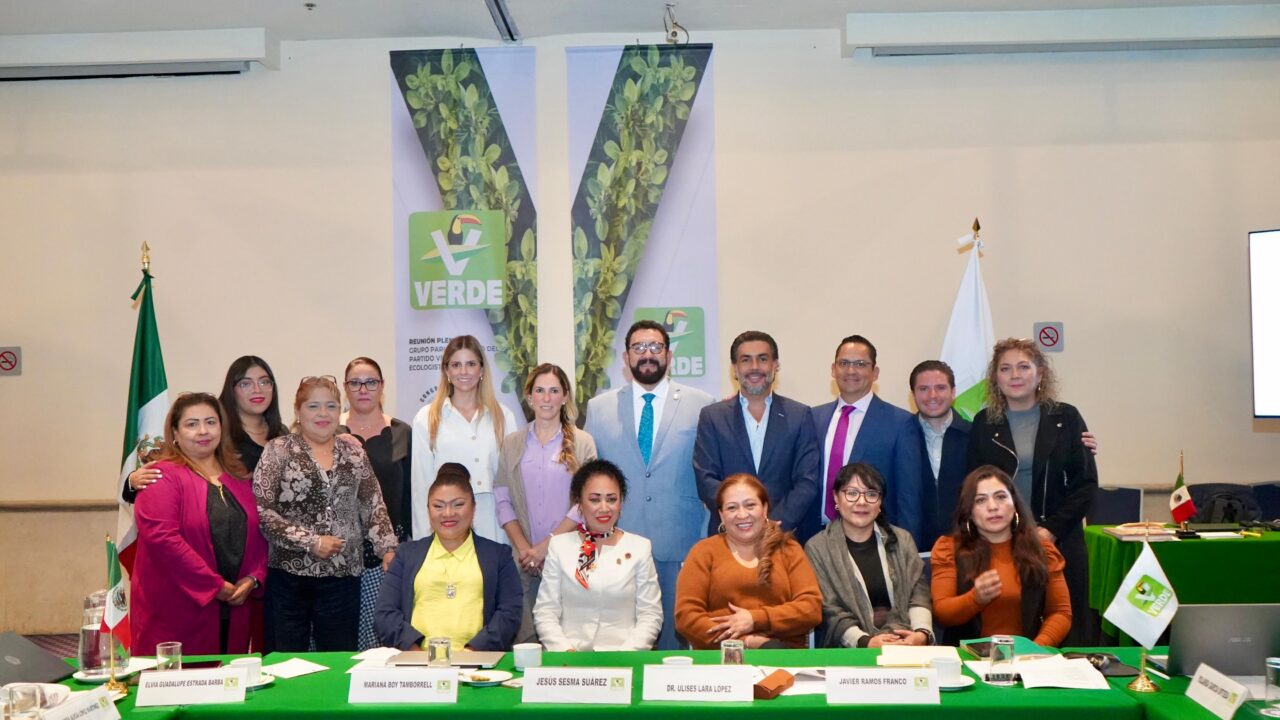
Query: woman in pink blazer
[200, 552]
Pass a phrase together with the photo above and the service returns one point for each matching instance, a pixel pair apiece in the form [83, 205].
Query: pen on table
[1247, 533]
[1156, 672]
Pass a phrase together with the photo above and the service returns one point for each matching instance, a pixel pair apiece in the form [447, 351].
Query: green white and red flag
[115, 618]
[144, 417]
[1180, 503]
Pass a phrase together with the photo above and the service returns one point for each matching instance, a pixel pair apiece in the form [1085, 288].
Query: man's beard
[648, 372]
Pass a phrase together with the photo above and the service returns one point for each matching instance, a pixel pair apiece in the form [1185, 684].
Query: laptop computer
[461, 658]
[1235, 640]
[23, 661]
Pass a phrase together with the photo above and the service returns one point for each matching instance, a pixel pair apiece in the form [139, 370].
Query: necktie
[645, 436]
[836, 460]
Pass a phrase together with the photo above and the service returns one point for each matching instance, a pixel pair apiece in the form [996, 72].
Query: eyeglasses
[370, 384]
[860, 364]
[871, 496]
[653, 348]
[265, 383]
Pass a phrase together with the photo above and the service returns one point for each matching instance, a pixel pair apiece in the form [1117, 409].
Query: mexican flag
[970, 337]
[144, 417]
[1145, 603]
[1180, 503]
[116, 617]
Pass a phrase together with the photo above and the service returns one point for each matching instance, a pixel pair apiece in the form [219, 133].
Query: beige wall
[1115, 190]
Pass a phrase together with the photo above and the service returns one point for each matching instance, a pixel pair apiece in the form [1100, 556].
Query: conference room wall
[1115, 190]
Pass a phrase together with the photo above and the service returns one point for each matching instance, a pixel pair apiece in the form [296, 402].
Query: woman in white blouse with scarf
[465, 424]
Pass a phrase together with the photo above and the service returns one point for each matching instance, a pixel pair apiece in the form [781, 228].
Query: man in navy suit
[860, 427]
[647, 427]
[944, 437]
[760, 433]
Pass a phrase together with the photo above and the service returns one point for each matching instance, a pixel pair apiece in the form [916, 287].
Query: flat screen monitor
[1264, 292]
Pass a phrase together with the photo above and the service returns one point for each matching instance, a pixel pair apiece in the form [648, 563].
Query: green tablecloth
[1171, 703]
[325, 695]
[1201, 571]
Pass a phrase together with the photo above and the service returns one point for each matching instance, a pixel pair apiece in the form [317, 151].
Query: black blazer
[1064, 475]
[938, 495]
[503, 597]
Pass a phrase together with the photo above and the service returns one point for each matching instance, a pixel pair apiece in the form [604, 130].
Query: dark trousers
[301, 608]
[1084, 631]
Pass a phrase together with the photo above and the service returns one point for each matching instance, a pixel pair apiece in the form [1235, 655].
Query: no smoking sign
[1049, 336]
[10, 361]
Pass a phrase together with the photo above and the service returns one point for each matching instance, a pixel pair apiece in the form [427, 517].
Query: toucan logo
[457, 259]
[686, 328]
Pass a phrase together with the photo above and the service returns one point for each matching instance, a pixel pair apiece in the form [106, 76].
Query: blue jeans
[300, 608]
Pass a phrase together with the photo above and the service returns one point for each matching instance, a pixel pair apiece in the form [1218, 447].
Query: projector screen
[1264, 291]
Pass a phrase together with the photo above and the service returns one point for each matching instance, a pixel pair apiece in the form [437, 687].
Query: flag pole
[1182, 473]
[113, 685]
[1143, 683]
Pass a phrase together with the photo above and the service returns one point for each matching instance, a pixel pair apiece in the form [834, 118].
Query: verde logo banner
[686, 326]
[1145, 602]
[457, 259]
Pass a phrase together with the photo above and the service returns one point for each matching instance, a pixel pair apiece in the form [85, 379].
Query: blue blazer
[662, 497]
[789, 462]
[890, 441]
[938, 495]
[503, 597]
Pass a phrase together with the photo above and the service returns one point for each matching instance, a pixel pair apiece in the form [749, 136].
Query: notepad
[914, 655]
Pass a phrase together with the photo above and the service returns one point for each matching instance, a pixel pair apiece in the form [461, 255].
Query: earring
[969, 526]
[721, 529]
[1017, 520]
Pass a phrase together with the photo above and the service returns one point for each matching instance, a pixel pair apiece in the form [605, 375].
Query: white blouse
[469, 442]
[622, 609]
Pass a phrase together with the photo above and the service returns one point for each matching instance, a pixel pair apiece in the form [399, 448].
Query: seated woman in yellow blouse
[452, 583]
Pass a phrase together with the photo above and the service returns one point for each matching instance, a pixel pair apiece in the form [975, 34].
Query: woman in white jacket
[599, 585]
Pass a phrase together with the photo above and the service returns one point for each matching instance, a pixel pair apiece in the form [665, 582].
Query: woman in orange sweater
[993, 575]
[764, 590]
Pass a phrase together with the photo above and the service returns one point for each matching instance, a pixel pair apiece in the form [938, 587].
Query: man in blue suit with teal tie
[860, 427]
[761, 433]
[647, 428]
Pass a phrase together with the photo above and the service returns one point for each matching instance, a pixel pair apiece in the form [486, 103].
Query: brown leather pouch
[773, 686]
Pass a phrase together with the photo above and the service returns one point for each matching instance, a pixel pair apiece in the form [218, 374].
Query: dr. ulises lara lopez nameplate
[192, 687]
[578, 685]
[699, 683]
[882, 686]
[404, 685]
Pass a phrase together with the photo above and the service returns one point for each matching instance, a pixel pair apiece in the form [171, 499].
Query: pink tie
[836, 461]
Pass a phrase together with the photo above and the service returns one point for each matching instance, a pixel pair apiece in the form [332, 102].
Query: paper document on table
[1220, 535]
[292, 668]
[381, 654]
[808, 680]
[1053, 672]
[914, 655]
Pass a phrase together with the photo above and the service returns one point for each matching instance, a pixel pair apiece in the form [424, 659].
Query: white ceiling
[291, 20]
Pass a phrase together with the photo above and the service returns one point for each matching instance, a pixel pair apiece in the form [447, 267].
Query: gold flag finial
[146, 256]
[976, 226]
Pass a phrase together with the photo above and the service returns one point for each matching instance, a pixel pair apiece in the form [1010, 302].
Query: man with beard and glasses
[760, 433]
[646, 428]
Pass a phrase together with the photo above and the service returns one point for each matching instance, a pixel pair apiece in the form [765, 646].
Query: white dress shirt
[469, 442]
[622, 608]
[855, 424]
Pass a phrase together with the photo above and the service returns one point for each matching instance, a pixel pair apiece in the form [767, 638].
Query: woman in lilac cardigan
[200, 552]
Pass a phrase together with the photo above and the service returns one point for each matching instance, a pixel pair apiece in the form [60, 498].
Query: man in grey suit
[647, 428]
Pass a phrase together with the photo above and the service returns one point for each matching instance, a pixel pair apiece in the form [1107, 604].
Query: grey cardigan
[509, 455]
[846, 609]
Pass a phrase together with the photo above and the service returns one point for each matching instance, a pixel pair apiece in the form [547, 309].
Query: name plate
[699, 683]
[192, 687]
[1216, 692]
[404, 685]
[578, 685]
[93, 705]
[882, 686]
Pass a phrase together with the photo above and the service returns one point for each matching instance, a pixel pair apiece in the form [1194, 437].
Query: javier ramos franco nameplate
[699, 683]
[882, 686]
[404, 685]
[577, 685]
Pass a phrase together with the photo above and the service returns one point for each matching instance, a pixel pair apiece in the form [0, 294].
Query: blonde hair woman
[465, 424]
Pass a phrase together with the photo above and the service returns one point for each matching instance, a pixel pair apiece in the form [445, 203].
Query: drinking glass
[1000, 671]
[89, 654]
[731, 652]
[439, 652]
[1272, 693]
[168, 656]
[24, 702]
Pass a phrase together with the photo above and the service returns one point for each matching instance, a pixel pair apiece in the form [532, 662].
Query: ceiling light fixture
[674, 29]
[503, 21]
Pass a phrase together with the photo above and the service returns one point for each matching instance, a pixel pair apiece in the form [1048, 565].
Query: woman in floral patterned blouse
[317, 498]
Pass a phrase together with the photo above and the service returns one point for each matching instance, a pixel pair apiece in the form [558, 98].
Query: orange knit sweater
[1003, 615]
[785, 609]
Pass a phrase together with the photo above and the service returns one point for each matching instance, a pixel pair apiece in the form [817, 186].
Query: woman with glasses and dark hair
[464, 423]
[1039, 442]
[994, 574]
[874, 591]
[200, 553]
[535, 470]
[386, 442]
[253, 418]
[318, 499]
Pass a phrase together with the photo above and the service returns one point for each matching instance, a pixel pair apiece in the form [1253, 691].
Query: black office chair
[1268, 496]
[1115, 506]
[1224, 503]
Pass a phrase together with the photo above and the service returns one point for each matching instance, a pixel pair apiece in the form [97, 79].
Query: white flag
[970, 337]
[1145, 603]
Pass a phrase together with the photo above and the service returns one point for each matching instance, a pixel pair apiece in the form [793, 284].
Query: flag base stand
[1142, 683]
[114, 686]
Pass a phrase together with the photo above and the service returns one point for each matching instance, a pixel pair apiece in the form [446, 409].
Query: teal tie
[645, 436]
